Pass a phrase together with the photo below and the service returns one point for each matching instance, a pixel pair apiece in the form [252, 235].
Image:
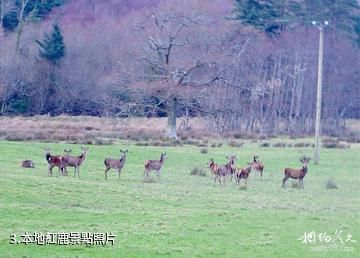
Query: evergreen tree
[35, 10]
[273, 16]
[52, 48]
[265, 15]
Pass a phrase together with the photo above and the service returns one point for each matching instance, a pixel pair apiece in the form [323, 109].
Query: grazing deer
[243, 173]
[297, 173]
[218, 171]
[154, 165]
[258, 166]
[53, 161]
[74, 161]
[28, 164]
[115, 163]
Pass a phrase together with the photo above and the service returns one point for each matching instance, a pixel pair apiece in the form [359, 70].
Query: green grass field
[181, 215]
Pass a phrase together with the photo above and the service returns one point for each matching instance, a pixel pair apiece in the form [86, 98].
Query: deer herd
[220, 173]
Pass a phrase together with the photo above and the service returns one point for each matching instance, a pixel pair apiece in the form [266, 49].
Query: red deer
[154, 165]
[28, 164]
[230, 166]
[218, 171]
[243, 173]
[74, 161]
[54, 161]
[115, 163]
[297, 173]
[258, 166]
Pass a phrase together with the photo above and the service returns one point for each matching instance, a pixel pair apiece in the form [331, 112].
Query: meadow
[180, 215]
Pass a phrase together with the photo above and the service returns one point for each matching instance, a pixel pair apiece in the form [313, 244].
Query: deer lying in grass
[53, 161]
[28, 164]
[258, 166]
[297, 173]
[115, 163]
[243, 173]
[218, 171]
[74, 161]
[154, 165]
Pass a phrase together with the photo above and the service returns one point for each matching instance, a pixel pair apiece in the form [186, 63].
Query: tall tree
[52, 48]
[173, 62]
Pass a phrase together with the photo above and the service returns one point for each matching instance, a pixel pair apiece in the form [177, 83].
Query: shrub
[99, 141]
[197, 171]
[331, 184]
[299, 145]
[191, 142]
[279, 145]
[233, 143]
[335, 145]
[204, 150]
[264, 144]
[237, 135]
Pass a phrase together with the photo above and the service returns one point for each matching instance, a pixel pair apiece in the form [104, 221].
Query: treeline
[243, 65]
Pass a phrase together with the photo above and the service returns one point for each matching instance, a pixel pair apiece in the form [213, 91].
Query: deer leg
[158, 174]
[50, 170]
[78, 169]
[106, 171]
[119, 171]
[284, 180]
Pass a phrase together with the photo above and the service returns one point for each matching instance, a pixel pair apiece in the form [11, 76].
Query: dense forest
[244, 65]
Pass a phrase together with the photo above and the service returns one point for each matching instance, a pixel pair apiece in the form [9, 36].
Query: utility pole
[319, 90]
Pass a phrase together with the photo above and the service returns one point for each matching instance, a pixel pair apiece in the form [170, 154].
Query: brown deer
[74, 161]
[213, 167]
[53, 161]
[154, 165]
[115, 163]
[230, 167]
[258, 166]
[243, 173]
[28, 164]
[297, 173]
[218, 171]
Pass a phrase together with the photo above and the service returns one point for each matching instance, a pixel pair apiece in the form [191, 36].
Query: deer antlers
[304, 159]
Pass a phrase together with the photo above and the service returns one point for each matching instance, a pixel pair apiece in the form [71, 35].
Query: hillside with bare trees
[239, 65]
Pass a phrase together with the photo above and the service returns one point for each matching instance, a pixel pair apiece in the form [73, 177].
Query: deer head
[163, 156]
[305, 160]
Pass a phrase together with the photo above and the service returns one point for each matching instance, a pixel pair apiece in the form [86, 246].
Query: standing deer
[243, 173]
[154, 165]
[28, 164]
[218, 171]
[74, 161]
[53, 161]
[258, 166]
[230, 167]
[297, 173]
[115, 163]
